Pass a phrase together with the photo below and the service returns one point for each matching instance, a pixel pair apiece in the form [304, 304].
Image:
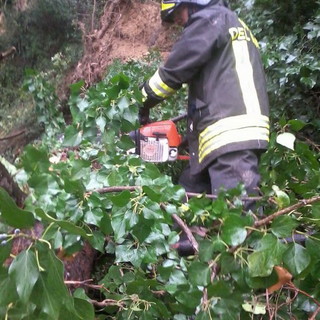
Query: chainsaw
[159, 141]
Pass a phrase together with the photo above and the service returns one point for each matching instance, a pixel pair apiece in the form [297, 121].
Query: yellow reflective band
[166, 6]
[239, 135]
[232, 123]
[253, 38]
[210, 138]
[245, 76]
[144, 94]
[159, 87]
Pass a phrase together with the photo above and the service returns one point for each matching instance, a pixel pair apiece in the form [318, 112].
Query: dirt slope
[128, 30]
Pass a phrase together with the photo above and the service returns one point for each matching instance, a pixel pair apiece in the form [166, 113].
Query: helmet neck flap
[169, 6]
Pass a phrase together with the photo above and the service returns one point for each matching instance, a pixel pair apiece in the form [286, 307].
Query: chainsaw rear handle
[178, 118]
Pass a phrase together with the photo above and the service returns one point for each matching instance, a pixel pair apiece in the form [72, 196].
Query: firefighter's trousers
[226, 172]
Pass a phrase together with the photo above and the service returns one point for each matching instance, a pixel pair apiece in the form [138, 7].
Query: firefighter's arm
[154, 91]
[189, 54]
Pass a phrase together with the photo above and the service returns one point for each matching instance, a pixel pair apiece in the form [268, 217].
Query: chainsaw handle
[178, 118]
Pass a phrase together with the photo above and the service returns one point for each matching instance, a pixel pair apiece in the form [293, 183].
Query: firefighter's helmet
[169, 6]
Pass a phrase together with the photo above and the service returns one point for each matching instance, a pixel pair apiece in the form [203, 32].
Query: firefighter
[228, 125]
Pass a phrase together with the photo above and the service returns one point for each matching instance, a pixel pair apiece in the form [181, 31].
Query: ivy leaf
[84, 308]
[189, 297]
[24, 270]
[5, 250]
[121, 199]
[206, 249]
[268, 254]
[199, 273]
[105, 225]
[72, 137]
[282, 226]
[282, 198]
[97, 241]
[67, 225]
[76, 87]
[233, 230]
[101, 123]
[151, 193]
[12, 214]
[8, 293]
[296, 258]
[54, 294]
[296, 125]
[35, 160]
[219, 289]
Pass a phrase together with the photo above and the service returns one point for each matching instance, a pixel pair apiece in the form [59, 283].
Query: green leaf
[121, 221]
[296, 125]
[12, 214]
[296, 258]
[202, 315]
[188, 297]
[76, 87]
[5, 250]
[233, 230]
[54, 294]
[282, 198]
[84, 309]
[199, 273]
[262, 282]
[8, 293]
[35, 160]
[282, 226]
[105, 224]
[97, 241]
[121, 199]
[24, 270]
[219, 288]
[152, 194]
[206, 249]
[69, 226]
[268, 254]
[72, 137]
[101, 123]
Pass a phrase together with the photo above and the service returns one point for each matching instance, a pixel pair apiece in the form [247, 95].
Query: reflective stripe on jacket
[218, 57]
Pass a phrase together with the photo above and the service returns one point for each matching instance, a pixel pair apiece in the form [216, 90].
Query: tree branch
[107, 302]
[291, 286]
[13, 135]
[188, 194]
[7, 53]
[116, 189]
[187, 231]
[314, 315]
[300, 204]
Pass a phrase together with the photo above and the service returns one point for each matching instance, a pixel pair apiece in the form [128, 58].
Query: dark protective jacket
[218, 57]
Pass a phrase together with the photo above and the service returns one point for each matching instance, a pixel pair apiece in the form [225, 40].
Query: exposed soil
[129, 29]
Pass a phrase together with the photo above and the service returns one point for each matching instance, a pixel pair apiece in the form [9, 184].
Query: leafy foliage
[71, 181]
[72, 175]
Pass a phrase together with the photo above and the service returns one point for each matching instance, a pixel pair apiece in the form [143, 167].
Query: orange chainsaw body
[159, 142]
[161, 129]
